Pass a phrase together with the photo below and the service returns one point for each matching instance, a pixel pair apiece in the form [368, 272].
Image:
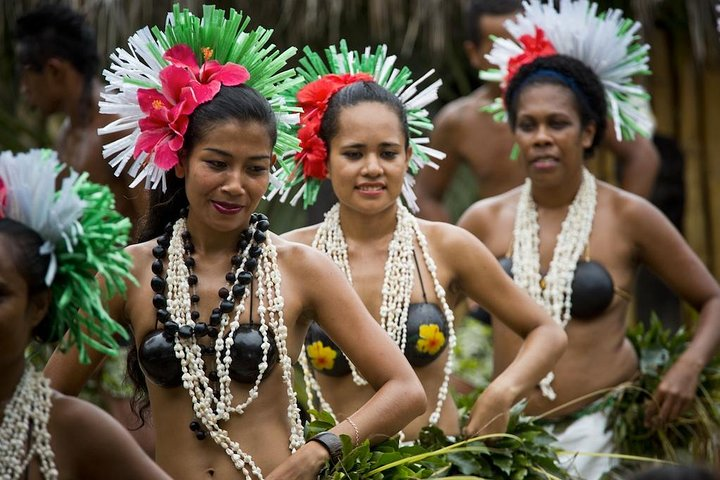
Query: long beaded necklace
[554, 291]
[396, 291]
[25, 428]
[212, 399]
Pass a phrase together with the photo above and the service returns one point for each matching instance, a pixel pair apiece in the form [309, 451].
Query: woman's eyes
[216, 164]
[385, 155]
[558, 124]
[528, 126]
[389, 154]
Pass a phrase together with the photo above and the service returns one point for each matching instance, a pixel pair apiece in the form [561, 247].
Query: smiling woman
[220, 309]
[408, 273]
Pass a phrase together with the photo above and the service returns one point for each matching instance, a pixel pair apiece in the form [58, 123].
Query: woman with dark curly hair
[574, 243]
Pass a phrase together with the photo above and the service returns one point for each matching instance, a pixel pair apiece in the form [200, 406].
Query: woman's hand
[674, 394]
[490, 414]
[302, 465]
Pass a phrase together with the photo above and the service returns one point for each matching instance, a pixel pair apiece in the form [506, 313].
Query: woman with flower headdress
[52, 244]
[216, 363]
[359, 129]
[574, 243]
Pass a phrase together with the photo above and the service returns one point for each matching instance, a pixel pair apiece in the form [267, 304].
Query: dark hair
[239, 103]
[354, 94]
[676, 472]
[477, 8]
[24, 245]
[57, 31]
[572, 74]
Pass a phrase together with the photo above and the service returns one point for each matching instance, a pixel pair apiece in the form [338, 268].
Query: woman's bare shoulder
[303, 235]
[486, 212]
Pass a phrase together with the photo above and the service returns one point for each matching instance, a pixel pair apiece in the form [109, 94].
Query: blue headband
[555, 75]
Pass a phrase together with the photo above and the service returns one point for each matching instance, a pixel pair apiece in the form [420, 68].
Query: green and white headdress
[322, 78]
[84, 235]
[606, 42]
[156, 84]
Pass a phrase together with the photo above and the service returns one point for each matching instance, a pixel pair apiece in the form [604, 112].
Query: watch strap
[331, 443]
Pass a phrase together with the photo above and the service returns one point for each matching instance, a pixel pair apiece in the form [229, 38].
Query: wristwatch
[331, 443]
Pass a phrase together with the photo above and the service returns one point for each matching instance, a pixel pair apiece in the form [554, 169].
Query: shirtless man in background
[470, 136]
[58, 62]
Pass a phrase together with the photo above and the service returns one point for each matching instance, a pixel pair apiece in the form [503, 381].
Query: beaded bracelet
[357, 432]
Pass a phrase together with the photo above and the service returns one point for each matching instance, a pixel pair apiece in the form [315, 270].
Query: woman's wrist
[316, 454]
[500, 392]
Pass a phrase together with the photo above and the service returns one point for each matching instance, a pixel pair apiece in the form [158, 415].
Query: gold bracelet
[357, 432]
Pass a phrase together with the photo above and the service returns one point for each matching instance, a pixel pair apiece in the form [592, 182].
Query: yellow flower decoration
[431, 339]
[322, 357]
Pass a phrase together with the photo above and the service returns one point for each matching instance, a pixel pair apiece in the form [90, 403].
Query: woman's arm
[479, 275]
[661, 247]
[399, 396]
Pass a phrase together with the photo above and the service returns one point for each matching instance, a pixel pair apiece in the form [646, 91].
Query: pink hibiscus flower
[184, 86]
[3, 197]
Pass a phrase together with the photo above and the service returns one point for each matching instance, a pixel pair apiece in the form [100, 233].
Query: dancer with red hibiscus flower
[410, 274]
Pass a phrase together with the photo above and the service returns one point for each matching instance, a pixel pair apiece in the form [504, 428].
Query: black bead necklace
[249, 250]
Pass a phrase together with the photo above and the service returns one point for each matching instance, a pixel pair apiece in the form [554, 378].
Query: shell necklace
[25, 428]
[556, 296]
[209, 406]
[396, 291]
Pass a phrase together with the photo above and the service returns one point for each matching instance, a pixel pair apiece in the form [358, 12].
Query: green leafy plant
[694, 433]
[523, 453]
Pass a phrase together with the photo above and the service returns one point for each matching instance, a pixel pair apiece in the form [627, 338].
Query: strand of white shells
[209, 407]
[25, 428]
[396, 290]
[556, 297]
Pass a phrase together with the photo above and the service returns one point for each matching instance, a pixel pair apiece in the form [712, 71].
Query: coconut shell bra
[156, 353]
[426, 330]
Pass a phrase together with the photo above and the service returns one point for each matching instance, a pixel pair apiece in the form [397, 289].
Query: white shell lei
[396, 291]
[211, 409]
[556, 297]
[25, 422]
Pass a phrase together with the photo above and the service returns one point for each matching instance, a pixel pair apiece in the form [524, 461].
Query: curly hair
[569, 73]
[475, 9]
[58, 31]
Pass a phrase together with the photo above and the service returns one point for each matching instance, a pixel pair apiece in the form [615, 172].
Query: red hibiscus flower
[3, 197]
[313, 98]
[537, 46]
[204, 81]
[312, 152]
